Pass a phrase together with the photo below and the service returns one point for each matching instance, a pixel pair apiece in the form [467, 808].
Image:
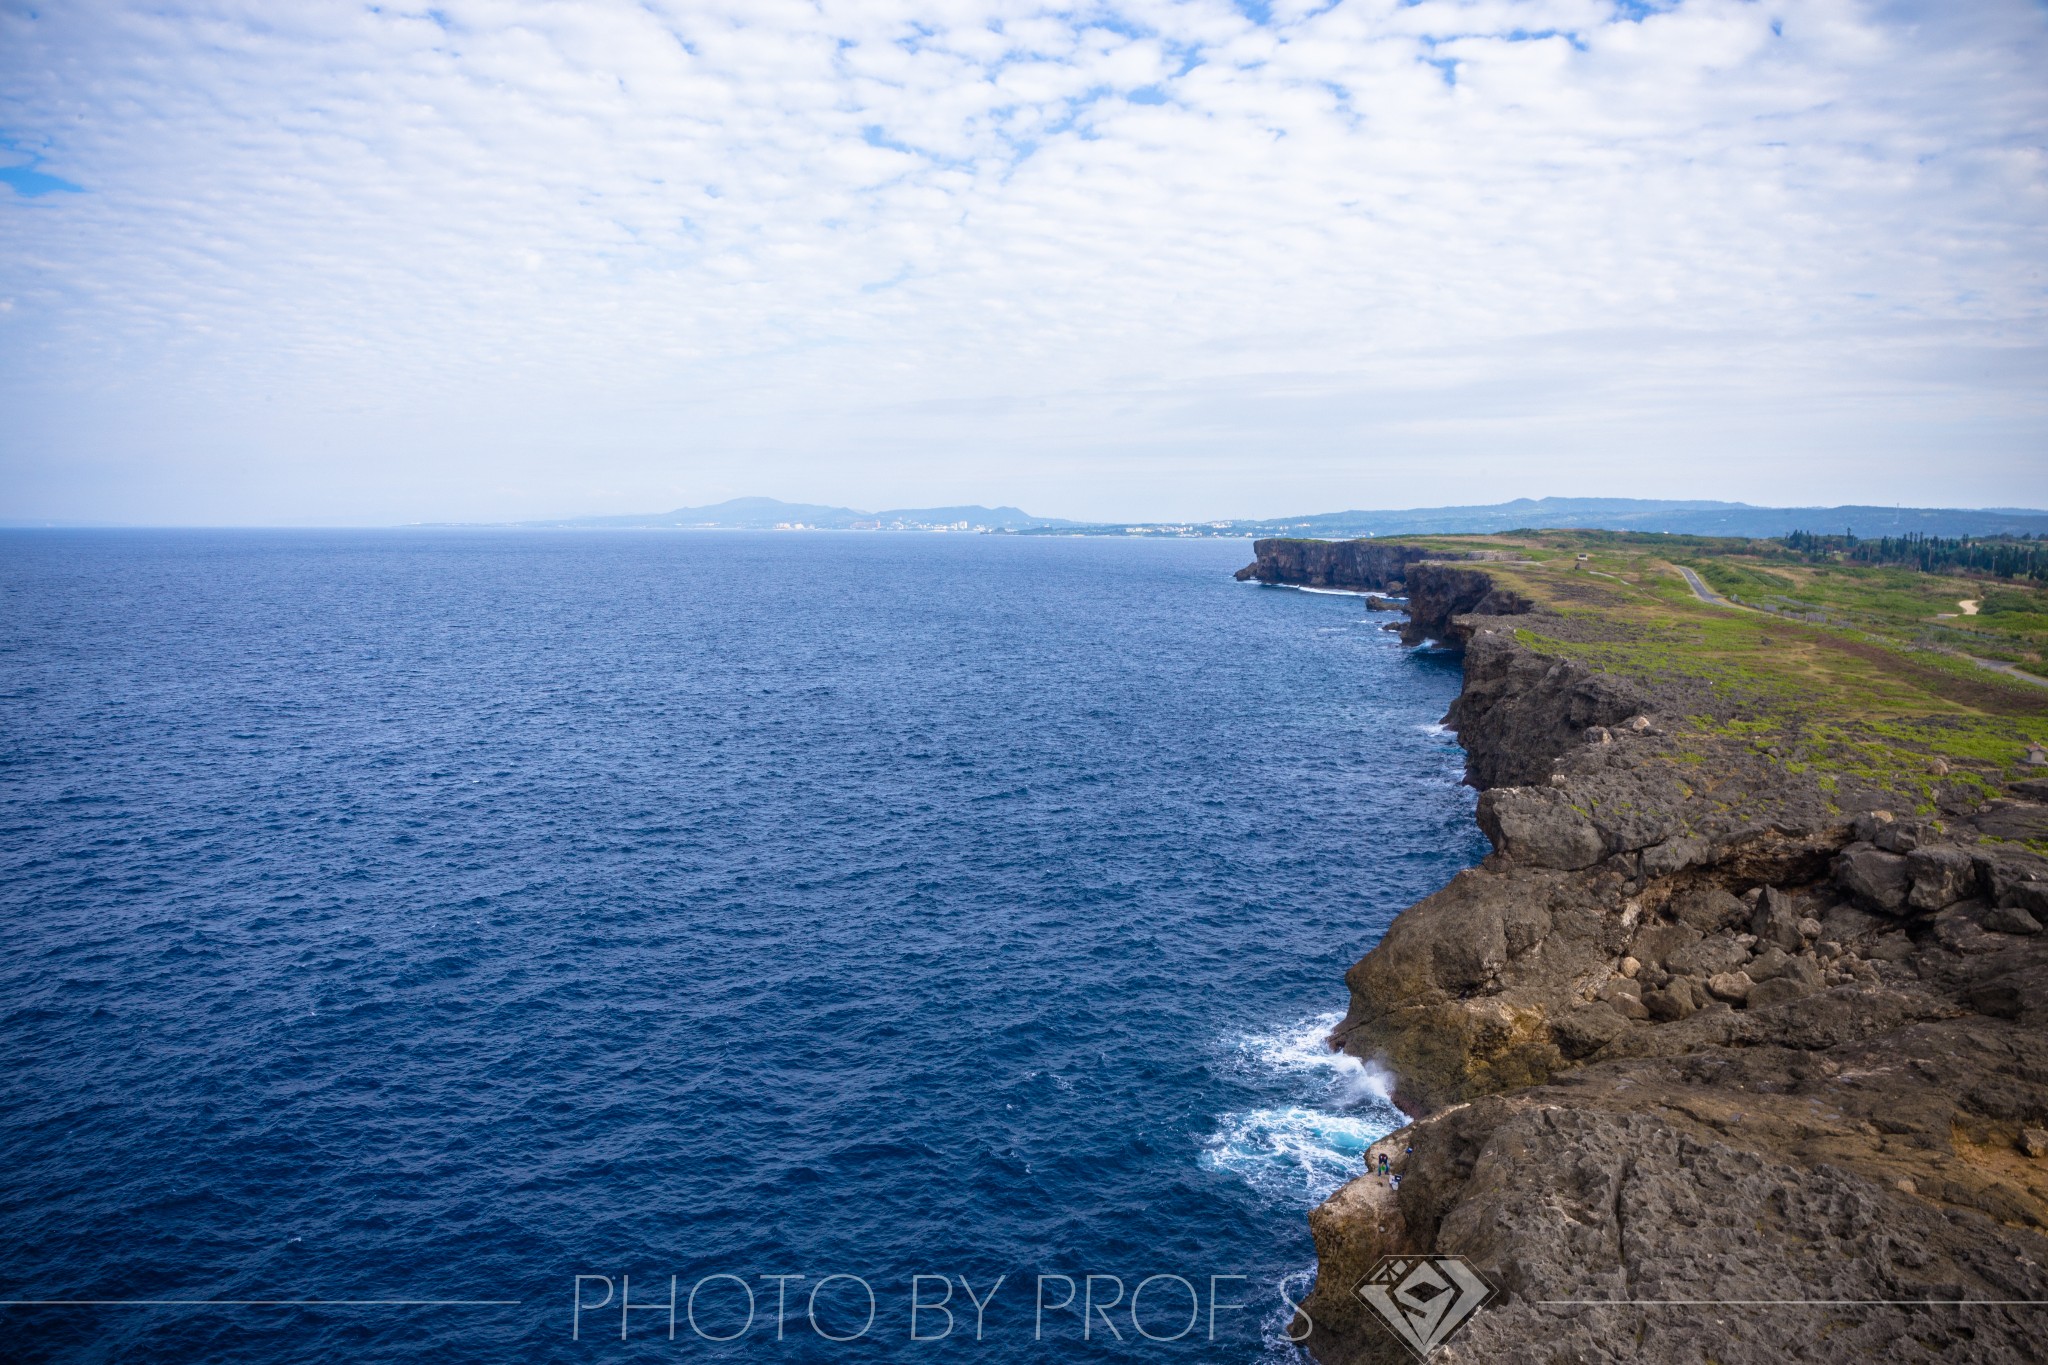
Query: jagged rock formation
[1700, 1029]
[1360, 565]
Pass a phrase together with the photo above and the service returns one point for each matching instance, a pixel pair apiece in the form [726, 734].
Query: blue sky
[337, 263]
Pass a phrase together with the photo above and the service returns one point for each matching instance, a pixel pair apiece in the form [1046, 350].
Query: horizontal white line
[1792, 1303]
[259, 1303]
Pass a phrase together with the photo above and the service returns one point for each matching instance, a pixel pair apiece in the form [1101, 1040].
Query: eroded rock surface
[1699, 1029]
[1359, 565]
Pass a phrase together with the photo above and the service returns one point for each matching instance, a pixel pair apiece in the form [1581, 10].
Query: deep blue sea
[443, 916]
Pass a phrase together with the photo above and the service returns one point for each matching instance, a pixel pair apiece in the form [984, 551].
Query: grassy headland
[1844, 670]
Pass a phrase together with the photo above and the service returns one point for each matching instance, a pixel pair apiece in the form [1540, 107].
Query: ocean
[422, 943]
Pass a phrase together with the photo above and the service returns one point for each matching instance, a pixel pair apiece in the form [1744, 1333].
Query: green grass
[1738, 580]
[1862, 671]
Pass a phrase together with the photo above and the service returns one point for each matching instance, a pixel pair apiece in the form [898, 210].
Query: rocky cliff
[1360, 565]
[1710, 1059]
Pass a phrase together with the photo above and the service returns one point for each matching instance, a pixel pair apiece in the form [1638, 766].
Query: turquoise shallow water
[424, 915]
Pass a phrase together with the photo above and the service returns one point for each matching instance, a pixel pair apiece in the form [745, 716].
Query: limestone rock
[1677, 1179]
[1780, 990]
[1940, 875]
[1710, 957]
[2031, 897]
[1671, 1003]
[1674, 855]
[1358, 564]
[1873, 876]
[1733, 1118]
[1776, 920]
[1519, 713]
[1901, 836]
[1847, 923]
[1588, 1029]
[2010, 919]
[1734, 987]
[1625, 997]
[1708, 909]
[1539, 827]
[2018, 820]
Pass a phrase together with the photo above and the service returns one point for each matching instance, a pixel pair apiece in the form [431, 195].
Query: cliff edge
[1736, 1047]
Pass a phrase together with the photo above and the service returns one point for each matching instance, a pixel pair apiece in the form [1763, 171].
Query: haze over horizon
[500, 261]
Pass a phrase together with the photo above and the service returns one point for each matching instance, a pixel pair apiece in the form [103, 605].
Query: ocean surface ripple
[441, 916]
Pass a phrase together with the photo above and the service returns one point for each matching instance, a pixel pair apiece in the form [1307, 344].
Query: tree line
[1997, 556]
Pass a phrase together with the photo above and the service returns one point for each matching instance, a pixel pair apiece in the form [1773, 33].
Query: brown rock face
[1519, 712]
[1693, 1032]
[1754, 1176]
[1438, 594]
[1874, 877]
[1540, 827]
[1360, 565]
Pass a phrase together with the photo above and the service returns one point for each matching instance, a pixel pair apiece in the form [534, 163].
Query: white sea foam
[1301, 1151]
[1296, 1154]
[1303, 1049]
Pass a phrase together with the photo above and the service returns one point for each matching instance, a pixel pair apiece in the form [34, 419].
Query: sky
[278, 263]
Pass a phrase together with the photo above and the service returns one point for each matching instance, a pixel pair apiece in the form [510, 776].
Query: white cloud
[507, 259]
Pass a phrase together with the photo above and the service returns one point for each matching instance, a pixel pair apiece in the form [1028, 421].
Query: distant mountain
[1699, 518]
[1682, 518]
[995, 518]
[1616, 514]
[767, 514]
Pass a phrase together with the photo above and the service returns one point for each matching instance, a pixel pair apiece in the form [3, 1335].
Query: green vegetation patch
[1863, 671]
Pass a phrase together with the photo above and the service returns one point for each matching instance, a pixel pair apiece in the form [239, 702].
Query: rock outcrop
[1519, 712]
[1359, 565]
[1710, 1059]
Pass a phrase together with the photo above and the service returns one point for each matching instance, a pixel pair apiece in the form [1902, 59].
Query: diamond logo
[1424, 1299]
